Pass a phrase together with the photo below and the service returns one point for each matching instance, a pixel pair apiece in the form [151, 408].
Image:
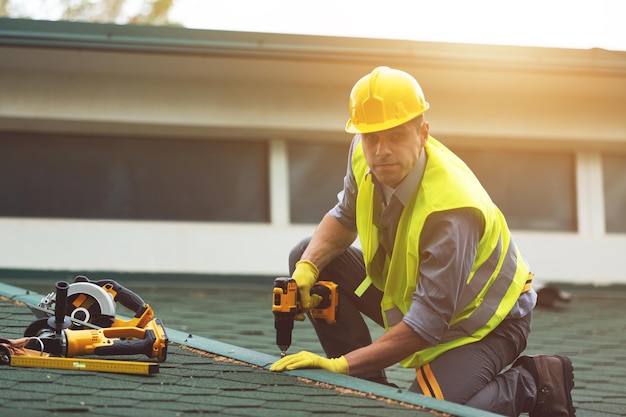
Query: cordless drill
[286, 305]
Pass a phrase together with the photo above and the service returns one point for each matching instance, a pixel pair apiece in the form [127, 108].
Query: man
[438, 268]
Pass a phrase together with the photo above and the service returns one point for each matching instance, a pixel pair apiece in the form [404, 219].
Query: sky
[579, 24]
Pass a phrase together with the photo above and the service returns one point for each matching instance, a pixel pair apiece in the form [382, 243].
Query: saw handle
[129, 346]
[123, 295]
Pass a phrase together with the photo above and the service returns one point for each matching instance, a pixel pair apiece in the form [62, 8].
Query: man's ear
[424, 129]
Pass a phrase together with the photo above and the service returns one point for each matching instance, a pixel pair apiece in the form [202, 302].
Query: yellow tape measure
[95, 365]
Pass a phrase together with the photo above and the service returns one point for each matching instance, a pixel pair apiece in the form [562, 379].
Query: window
[614, 174]
[133, 178]
[534, 190]
[316, 174]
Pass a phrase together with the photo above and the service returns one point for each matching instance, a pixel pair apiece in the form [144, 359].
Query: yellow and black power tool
[286, 306]
[93, 304]
[111, 341]
[65, 335]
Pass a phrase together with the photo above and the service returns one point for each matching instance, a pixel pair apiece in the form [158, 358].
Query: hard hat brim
[378, 127]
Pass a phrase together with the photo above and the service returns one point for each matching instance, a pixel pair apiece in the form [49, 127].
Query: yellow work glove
[305, 275]
[306, 359]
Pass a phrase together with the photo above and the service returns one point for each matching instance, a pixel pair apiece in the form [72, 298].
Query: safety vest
[499, 274]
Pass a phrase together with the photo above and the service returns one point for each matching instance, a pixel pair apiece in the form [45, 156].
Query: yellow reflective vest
[499, 274]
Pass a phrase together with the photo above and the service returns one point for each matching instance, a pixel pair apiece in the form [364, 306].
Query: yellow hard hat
[383, 99]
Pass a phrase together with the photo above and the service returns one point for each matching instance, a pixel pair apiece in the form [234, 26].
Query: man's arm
[330, 239]
[393, 346]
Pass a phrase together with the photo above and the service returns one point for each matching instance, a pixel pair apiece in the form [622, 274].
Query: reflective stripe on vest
[499, 273]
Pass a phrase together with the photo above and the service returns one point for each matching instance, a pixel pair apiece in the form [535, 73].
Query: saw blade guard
[93, 304]
[90, 303]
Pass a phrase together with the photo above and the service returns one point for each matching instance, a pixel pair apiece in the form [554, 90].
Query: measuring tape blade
[95, 365]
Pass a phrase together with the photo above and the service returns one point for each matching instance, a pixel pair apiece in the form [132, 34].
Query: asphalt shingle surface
[193, 381]
[590, 330]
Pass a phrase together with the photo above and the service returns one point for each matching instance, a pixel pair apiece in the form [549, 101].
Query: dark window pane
[316, 174]
[534, 190]
[133, 178]
[614, 174]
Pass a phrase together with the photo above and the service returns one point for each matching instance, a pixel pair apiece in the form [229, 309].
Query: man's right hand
[305, 275]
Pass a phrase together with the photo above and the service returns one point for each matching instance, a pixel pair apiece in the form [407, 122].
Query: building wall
[88, 81]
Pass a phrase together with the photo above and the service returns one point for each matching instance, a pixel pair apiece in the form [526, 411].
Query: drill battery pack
[326, 310]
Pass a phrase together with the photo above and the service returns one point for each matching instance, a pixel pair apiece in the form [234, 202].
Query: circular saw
[92, 304]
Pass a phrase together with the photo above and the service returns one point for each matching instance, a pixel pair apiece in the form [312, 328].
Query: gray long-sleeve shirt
[448, 247]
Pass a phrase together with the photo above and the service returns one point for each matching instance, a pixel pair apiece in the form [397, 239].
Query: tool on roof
[32, 359]
[59, 339]
[76, 328]
[92, 304]
[286, 305]
[150, 341]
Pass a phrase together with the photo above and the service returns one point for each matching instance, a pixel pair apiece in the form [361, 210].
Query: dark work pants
[470, 374]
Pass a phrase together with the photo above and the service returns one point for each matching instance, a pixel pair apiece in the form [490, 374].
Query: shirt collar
[404, 191]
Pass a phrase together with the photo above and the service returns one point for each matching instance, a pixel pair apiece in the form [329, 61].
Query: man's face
[391, 154]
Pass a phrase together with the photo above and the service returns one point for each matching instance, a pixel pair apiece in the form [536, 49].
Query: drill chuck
[284, 326]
